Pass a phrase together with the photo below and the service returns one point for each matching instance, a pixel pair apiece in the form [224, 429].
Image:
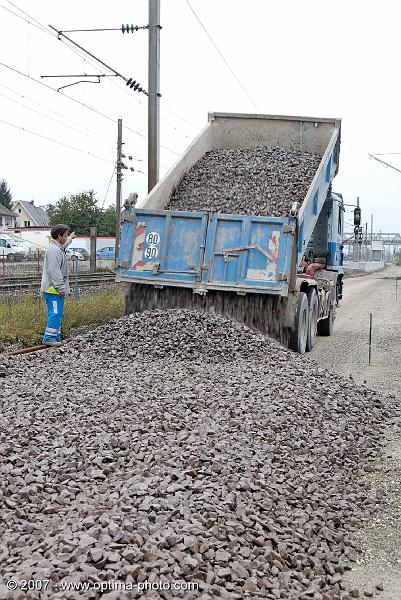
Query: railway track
[11, 284]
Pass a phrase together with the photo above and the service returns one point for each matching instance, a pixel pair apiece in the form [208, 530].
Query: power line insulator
[135, 85]
[129, 28]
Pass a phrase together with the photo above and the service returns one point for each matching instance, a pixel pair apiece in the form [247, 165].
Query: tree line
[78, 211]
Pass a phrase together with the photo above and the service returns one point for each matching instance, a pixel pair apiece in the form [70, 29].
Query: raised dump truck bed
[238, 253]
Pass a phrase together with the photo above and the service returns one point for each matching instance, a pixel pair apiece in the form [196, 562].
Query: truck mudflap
[205, 252]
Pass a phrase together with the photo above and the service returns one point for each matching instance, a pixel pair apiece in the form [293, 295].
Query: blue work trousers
[55, 309]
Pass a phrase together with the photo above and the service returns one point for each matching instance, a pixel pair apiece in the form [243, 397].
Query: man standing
[55, 285]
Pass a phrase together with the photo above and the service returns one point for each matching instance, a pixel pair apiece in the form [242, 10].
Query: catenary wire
[98, 112]
[55, 141]
[42, 28]
[56, 120]
[108, 187]
[222, 57]
[164, 107]
[86, 131]
[83, 104]
[122, 88]
[33, 21]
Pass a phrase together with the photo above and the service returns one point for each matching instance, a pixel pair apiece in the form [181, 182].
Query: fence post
[93, 237]
[38, 260]
[3, 262]
[370, 339]
[76, 289]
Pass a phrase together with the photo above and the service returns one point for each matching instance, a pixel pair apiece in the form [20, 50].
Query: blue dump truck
[280, 275]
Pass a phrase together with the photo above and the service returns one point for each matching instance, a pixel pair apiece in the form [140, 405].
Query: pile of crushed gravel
[183, 446]
[249, 181]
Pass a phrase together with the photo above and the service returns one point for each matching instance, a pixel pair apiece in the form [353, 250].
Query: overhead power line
[123, 29]
[101, 62]
[35, 23]
[123, 89]
[56, 120]
[385, 164]
[163, 107]
[108, 187]
[45, 137]
[85, 130]
[98, 112]
[222, 57]
[32, 22]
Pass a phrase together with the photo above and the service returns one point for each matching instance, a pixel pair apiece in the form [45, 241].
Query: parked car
[106, 252]
[10, 250]
[82, 251]
[73, 252]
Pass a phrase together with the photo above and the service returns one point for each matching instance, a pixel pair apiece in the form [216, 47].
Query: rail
[8, 284]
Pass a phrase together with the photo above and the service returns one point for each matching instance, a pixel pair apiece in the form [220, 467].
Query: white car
[72, 253]
[11, 250]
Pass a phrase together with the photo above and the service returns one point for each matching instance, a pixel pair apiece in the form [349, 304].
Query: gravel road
[347, 353]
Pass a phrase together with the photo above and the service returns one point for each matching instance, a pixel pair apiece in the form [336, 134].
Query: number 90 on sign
[151, 252]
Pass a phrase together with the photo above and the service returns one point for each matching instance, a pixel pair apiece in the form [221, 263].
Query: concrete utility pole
[92, 262]
[153, 99]
[118, 187]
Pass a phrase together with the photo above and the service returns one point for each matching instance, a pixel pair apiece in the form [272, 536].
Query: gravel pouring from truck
[280, 274]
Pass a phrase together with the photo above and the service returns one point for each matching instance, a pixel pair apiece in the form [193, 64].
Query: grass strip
[23, 320]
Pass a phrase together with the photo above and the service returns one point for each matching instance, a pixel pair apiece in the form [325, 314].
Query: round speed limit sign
[153, 238]
[151, 252]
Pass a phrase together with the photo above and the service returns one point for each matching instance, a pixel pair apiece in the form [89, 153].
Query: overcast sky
[311, 58]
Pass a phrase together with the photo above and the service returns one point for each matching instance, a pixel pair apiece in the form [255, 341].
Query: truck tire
[313, 305]
[299, 333]
[325, 326]
[10, 258]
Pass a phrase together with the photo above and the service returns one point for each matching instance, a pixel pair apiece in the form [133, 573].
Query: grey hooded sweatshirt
[55, 268]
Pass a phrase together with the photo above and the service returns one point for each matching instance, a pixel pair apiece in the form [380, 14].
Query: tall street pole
[371, 235]
[153, 88]
[119, 166]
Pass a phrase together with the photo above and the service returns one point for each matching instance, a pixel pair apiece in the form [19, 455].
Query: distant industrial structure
[372, 251]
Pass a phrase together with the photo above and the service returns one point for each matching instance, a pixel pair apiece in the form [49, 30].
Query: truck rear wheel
[313, 305]
[325, 326]
[299, 333]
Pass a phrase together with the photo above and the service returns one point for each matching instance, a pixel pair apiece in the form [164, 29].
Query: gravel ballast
[183, 446]
[262, 181]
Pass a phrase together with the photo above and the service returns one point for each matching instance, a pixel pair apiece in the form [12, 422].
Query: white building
[29, 215]
[377, 250]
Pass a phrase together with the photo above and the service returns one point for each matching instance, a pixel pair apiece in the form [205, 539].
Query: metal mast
[153, 90]
[119, 166]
